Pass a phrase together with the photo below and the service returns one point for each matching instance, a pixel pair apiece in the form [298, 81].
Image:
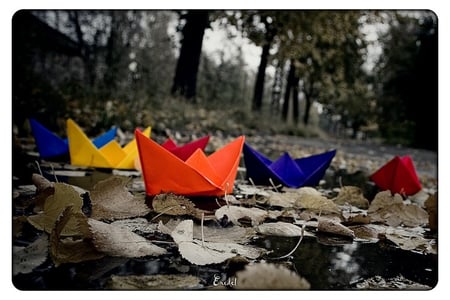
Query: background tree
[185, 81]
[261, 27]
[331, 58]
[407, 77]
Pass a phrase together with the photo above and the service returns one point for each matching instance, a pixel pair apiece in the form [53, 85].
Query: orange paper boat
[398, 175]
[84, 153]
[199, 175]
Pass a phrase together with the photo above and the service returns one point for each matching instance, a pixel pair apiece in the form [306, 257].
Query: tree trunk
[259, 85]
[277, 87]
[307, 109]
[295, 108]
[111, 59]
[287, 92]
[86, 54]
[185, 81]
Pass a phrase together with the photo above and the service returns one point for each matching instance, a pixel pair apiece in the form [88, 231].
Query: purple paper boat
[294, 173]
[51, 145]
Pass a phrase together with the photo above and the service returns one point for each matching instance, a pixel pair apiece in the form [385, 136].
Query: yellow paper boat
[84, 153]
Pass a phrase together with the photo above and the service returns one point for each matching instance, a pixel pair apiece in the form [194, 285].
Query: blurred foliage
[107, 68]
[406, 79]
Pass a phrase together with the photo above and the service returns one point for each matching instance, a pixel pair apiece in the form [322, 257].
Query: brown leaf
[412, 242]
[351, 195]
[357, 219]
[265, 276]
[383, 199]
[41, 182]
[279, 229]
[205, 253]
[333, 227]
[365, 232]
[234, 213]
[317, 203]
[432, 209]
[70, 250]
[174, 205]
[44, 188]
[64, 196]
[111, 200]
[286, 199]
[153, 282]
[396, 214]
[116, 241]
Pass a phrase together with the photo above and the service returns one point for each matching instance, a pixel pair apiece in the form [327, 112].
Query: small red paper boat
[199, 175]
[185, 151]
[398, 175]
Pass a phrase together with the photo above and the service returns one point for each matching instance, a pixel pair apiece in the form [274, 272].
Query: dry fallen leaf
[116, 241]
[25, 259]
[137, 224]
[153, 282]
[235, 233]
[409, 243]
[69, 250]
[400, 214]
[383, 199]
[351, 195]
[333, 227]
[64, 196]
[286, 199]
[41, 182]
[279, 229]
[264, 276]
[205, 253]
[311, 199]
[432, 209]
[365, 232]
[234, 213]
[111, 200]
[174, 205]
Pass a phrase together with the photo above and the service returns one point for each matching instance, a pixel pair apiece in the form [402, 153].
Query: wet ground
[326, 262]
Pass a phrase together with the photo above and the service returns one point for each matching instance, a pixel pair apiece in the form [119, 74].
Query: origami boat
[185, 151]
[294, 173]
[199, 175]
[51, 145]
[83, 152]
[398, 175]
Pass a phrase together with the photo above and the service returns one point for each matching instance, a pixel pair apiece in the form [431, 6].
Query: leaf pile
[121, 224]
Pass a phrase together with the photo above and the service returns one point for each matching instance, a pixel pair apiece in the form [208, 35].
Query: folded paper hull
[185, 151]
[50, 145]
[83, 152]
[398, 175]
[295, 173]
[198, 175]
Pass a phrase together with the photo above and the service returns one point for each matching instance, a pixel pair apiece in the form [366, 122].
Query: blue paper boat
[51, 145]
[294, 173]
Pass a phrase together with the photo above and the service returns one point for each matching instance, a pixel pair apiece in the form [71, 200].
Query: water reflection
[328, 264]
[343, 260]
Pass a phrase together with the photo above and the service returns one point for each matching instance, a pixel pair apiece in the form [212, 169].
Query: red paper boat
[185, 151]
[398, 175]
[199, 175]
